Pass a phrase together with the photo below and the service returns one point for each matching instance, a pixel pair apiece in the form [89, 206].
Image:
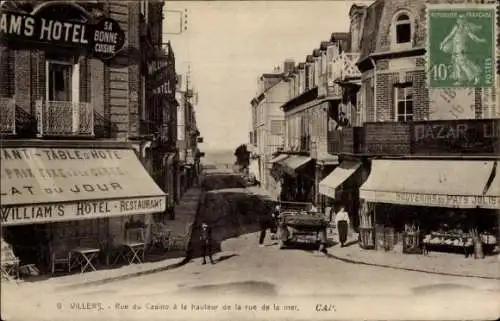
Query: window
[402, 30]
[276, 127]
[404, 103]
[60, 82]
[144, 10]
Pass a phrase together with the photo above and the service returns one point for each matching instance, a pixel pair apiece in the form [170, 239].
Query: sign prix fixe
[102, 40]
[49, 184]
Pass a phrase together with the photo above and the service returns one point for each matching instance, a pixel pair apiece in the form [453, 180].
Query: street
[299, 282]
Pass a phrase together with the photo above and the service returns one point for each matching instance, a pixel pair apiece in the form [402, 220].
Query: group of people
[341, 221]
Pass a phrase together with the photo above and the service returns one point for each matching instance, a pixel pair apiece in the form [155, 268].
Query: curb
[410, 269]
[184, 261]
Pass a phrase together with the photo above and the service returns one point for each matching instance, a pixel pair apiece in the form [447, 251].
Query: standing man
[206, 242]
[274, 226]
[342, 222]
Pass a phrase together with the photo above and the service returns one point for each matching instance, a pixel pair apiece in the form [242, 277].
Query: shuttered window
[276, 127]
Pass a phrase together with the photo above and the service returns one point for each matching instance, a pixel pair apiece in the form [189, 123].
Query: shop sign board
[43, 213]
[160, 75]
[427, 199]
[461, 45]
[102, 40]
[448, 137]
[48, 184]
[107, 39]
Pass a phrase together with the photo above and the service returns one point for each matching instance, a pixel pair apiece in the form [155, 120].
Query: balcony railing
[344, 66]
[349, 140]
[65, 118]
[7, 116]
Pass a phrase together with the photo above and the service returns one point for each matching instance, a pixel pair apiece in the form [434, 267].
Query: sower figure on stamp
[206, 243]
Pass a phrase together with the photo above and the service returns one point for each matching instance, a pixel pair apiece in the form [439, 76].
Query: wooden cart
[300, 225]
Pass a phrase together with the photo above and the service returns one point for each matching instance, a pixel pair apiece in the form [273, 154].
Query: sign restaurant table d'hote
[41, 185]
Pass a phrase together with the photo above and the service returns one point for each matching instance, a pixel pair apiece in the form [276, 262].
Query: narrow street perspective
[244, 272]
[249, 160]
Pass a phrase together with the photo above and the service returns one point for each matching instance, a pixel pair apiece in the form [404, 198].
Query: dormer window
[402, 30]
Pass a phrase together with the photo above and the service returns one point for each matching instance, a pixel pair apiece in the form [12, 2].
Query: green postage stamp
[461, 46]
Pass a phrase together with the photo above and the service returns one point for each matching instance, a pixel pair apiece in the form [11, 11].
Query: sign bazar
[103, 39]
[468, 137]
[43, 213]
[455, 131]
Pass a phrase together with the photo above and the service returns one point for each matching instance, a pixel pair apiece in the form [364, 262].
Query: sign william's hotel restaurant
[61, 186]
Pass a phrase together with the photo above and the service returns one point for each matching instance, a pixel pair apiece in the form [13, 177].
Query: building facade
[411, 131]
[81, 122]
[188, 134]
[312, 107]
[267, 128]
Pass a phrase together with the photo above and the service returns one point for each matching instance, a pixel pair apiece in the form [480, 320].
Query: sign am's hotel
[69, 82]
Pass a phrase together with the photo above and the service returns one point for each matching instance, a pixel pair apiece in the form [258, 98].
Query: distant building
[267, 128]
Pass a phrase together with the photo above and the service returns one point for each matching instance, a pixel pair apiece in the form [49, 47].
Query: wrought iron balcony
[344, 66]
[65, 118]
[7, 116]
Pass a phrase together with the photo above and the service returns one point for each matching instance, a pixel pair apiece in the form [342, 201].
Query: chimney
[288, 66]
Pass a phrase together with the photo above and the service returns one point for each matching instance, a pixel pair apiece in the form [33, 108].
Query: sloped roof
[339, 36]
[324, 45]
[371, 28]
[316, 53]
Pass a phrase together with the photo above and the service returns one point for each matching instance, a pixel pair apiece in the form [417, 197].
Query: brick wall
[387, 138]
[22, 79]
[134, 80]
[484, 100]
[4, 72]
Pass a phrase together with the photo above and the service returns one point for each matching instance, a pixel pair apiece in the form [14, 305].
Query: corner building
[78, 136]
[430, 153]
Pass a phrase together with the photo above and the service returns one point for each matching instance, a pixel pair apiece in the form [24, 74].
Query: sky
[229, 44]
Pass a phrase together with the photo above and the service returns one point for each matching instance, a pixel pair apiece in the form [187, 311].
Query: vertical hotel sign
[461, 46]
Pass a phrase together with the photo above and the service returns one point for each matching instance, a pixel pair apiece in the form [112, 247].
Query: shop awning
[40, 185]
[328, 160]
[278, 158]
[339, 175]
[294, 163]
[439, 183]
[494, 187]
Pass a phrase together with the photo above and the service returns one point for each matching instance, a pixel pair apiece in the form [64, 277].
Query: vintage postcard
[250, 160]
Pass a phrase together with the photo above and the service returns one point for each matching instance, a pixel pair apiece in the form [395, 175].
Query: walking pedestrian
[342, 222]
[206, 242]
[274, 225]
[265, 222]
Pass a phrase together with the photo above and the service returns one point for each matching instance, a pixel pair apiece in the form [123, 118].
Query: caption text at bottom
[98, 306]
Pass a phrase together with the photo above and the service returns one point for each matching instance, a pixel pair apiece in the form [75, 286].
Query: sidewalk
[185, 214]
[434, 262]
[256, 190]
